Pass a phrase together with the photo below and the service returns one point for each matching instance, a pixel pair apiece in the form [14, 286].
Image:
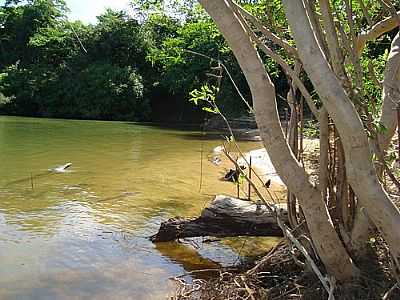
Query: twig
[372, 74]
[389, 292]
[31, 181]
[365, 12]
[77, 37]
[248, 290]
[264, 260]
[376, 31]
[201, 163]
[271, 36]
[353, 53]
[268, 205]
[250, 171]
[219, 270]
[326, 282]
[288, 70]
[227, 72]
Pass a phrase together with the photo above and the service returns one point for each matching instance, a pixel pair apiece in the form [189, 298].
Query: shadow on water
[208, 136]
[168, 126]
[194, 132]
[190, 259]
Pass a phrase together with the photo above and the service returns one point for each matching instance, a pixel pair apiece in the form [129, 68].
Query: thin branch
[336, 55]
[390, 7]
[381, 159]
[327, 283]
[389, 292]
[315, 22]
[292, 74]
[77, 37]
[372, 75]
[288, 70]
[365, 12]
[269, 206]
[273, 25]
[390, 94]
[265, 31]
[343, 37]
[227, 72]
[353, 53]
[376, 31]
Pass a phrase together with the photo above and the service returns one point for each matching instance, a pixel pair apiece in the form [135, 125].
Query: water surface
[82, 234]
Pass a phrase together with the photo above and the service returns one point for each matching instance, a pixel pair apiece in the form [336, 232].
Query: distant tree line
[121, 68]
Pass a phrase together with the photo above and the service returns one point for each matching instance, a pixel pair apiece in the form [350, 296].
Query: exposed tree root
[279, 276]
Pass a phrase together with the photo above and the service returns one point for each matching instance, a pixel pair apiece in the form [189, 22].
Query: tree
[67, 69]
[325, 45]
[19, 23]
[188, 54]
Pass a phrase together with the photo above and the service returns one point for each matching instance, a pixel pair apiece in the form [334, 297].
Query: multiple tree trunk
[319, 53]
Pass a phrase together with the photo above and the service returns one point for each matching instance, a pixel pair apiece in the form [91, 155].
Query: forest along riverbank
[84, 232]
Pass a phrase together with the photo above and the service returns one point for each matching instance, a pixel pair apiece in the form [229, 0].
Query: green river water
[82, 234]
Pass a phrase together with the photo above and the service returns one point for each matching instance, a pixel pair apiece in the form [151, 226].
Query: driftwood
[224, 217]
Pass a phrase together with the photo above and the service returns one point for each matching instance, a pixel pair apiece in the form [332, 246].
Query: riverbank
[280, 274]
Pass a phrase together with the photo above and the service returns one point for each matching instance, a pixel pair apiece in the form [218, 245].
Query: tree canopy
[121, 68]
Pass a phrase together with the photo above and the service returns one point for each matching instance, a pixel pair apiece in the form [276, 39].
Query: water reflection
[82, 234]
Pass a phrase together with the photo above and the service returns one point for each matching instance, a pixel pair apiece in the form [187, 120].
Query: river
[82, 233]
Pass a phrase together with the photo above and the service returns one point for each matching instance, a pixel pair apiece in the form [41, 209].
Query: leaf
[210, 110]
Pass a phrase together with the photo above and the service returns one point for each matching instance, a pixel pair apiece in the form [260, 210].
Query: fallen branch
[224, 217]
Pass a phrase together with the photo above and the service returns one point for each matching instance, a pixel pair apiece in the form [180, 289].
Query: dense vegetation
[117, 69]
[125, 67]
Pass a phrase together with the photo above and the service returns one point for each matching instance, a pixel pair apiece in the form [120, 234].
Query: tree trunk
[391, 95]
[360, 171]
[327, 242]
[323, 153]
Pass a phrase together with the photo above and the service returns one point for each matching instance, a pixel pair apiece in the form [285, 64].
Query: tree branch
[265, 31]
[287, 69]
[376, 31]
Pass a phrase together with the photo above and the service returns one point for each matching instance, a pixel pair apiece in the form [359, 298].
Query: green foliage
[3, 99]
[182, 71]
[145, 68]
[68, 69]
[206, 97]
[311, 129]
[119, 68]
[120, 95]
[375, 59]
[186, 58]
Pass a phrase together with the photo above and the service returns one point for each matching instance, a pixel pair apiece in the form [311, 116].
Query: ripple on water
[83, 234]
